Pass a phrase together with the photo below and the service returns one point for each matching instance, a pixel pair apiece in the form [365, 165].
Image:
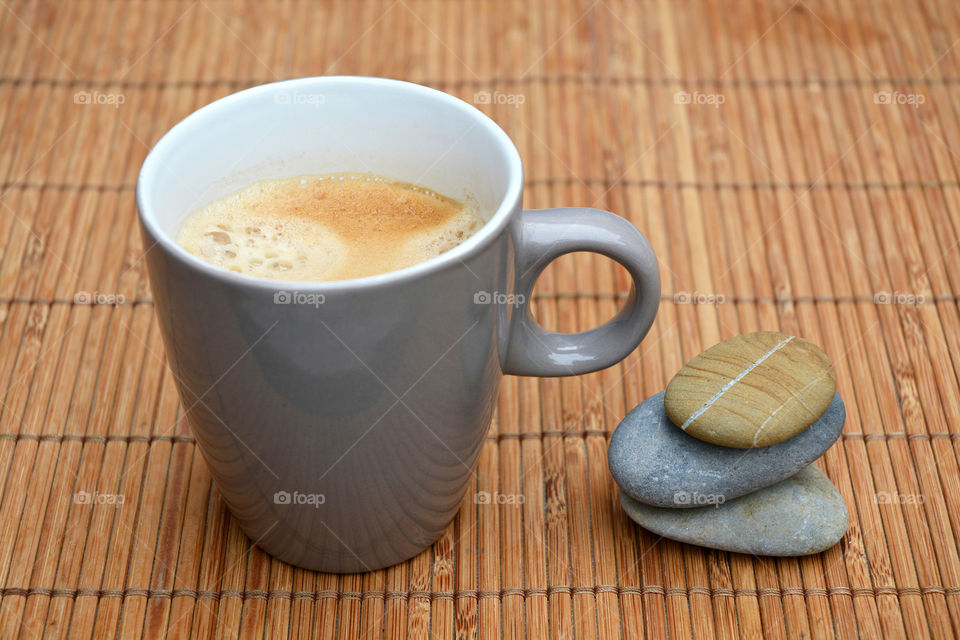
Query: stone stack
[724, 457]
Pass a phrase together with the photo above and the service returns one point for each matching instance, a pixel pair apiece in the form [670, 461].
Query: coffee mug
[342, 421]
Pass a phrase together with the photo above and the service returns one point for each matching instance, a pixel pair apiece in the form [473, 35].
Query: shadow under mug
[342, 421]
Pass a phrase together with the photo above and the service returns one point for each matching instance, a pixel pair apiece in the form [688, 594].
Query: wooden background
[794, 164]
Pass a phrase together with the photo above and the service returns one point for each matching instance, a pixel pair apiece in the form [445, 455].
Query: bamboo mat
[796, 166]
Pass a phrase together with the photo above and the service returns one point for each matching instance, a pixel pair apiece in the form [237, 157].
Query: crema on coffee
[318, 228]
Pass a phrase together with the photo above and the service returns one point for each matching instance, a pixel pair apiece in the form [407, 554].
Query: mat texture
[795, 165]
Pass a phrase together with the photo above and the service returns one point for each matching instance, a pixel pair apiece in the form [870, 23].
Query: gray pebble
[801, 515]
[656, 463]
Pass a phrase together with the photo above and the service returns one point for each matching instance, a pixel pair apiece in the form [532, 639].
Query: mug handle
[546, 234]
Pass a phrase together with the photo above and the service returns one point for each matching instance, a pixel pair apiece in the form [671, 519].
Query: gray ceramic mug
[342, 421]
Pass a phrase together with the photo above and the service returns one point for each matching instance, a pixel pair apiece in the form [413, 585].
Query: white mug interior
[332, 124]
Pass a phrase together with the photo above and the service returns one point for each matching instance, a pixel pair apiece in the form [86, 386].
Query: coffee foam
[326, 227]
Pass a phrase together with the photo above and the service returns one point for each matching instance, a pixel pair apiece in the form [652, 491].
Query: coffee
[326, 227]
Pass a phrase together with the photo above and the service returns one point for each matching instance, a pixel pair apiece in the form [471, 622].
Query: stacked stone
[724, 457]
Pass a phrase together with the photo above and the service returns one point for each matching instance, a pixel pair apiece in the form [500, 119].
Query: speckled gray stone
[801, 515]
[658, 464]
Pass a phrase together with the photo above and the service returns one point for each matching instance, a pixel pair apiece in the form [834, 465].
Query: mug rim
[474, 244]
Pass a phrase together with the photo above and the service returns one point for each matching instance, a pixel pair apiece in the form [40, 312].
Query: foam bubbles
[333, 227]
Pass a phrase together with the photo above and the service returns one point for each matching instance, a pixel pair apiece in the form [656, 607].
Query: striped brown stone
[751, 390]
